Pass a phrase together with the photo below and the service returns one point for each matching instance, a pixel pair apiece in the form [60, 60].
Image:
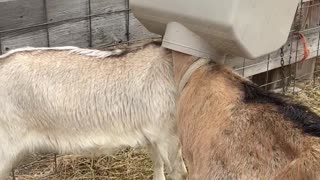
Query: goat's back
[225, 137]
[59, 96]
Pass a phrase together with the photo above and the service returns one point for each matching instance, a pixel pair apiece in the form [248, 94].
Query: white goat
[80, 101]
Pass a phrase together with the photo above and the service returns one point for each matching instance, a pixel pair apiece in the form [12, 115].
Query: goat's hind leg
[5, 168]
[158, 165]
[8, 158]
[11, 152]
[305, 167]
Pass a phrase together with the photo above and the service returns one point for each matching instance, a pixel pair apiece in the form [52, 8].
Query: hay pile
[128, 164]
[309, 94]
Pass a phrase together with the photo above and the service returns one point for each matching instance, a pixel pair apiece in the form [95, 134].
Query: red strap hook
[306, 50]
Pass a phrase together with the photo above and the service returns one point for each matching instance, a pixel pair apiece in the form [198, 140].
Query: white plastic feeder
[206, 28]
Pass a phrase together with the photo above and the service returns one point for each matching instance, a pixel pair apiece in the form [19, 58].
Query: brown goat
[231, 129]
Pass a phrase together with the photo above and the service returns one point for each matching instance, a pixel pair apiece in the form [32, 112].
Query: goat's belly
[86, 142]
[240, 156]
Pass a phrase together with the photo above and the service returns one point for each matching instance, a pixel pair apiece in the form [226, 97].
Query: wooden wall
[108, 28]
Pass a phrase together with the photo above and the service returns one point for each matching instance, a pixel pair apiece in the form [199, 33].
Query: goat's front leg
[158, 165]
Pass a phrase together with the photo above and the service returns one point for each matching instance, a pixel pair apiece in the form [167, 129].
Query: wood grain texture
[259, 65]
[20, 13]
[107, 30]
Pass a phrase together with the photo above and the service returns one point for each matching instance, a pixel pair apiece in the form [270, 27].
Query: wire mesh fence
[85, 29]
[305, 25]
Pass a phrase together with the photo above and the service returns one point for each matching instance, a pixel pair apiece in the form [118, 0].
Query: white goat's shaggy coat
[80, 101]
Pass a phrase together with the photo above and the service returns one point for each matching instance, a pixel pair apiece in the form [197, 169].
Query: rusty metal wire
[0, 45]
[45, 10]
[282, 70]
[90, 23]
[317, 61]
[299, 77]
[297, 47]
[267, 73]
[290, 58]
[127, 16]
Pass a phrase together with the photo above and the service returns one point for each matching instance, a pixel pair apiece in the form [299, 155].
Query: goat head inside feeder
[207, 28]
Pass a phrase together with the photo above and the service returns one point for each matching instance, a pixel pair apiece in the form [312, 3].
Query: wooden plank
[110, 30]
[304, 69]
[59, 10]
[311, 14]
[303, 72]
[70, 34]
[260, 65]
[29, 12]
[34, 38]
[77, 33]
[138, 31]
[107, 6]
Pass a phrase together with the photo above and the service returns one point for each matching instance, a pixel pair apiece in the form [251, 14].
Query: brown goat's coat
[225, 137]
